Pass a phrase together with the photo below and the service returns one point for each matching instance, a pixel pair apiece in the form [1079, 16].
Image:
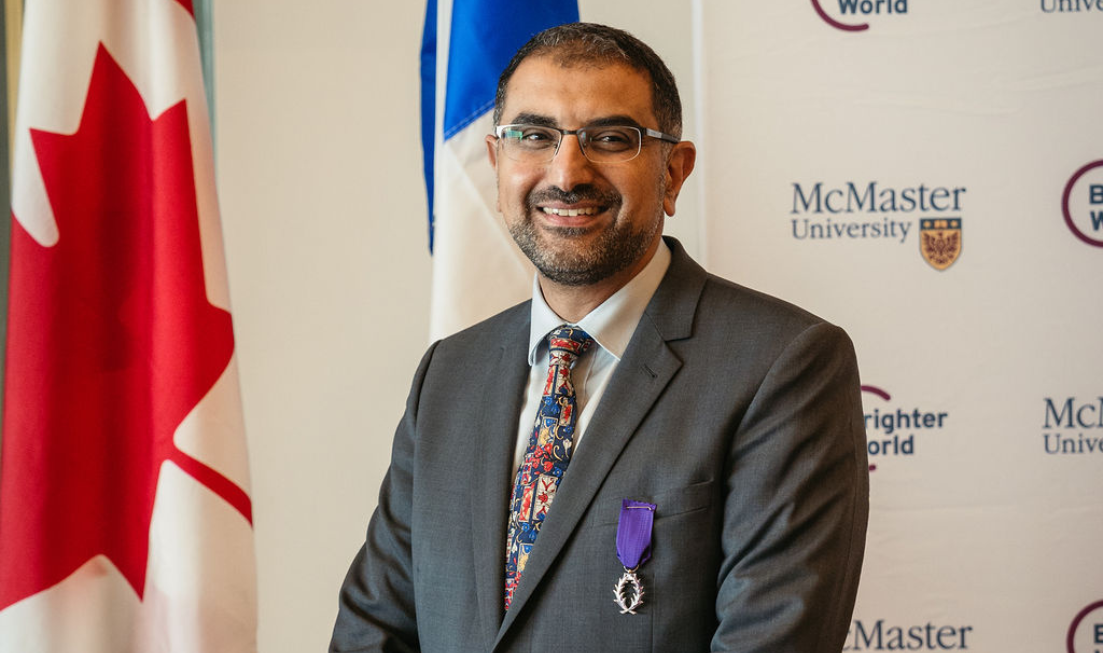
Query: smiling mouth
[571, 213]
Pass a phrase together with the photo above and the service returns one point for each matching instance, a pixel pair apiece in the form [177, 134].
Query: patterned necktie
[548, 454]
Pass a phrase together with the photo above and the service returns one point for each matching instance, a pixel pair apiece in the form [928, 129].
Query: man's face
[618, 207]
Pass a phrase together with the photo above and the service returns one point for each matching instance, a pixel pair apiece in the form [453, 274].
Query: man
[696, 479]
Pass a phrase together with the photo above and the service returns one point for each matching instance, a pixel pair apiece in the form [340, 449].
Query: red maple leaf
[111, 343]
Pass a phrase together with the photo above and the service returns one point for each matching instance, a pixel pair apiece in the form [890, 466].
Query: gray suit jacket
[737, 414]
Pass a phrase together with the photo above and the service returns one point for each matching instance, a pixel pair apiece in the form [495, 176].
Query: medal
[633, 549]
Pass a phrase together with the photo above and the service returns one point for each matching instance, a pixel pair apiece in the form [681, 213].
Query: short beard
[617, 248]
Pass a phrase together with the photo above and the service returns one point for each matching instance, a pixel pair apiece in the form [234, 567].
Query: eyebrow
[532, 119]
[609, 121]
[546, 121]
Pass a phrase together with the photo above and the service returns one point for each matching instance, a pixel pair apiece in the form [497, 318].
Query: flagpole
[203, 21]
[13, 40]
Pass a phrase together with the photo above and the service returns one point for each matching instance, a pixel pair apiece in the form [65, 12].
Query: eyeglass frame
[643, 131]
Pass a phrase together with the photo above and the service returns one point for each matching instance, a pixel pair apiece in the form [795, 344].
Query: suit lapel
[645, 370]
[491, 469]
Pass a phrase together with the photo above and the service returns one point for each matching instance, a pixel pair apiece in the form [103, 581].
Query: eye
[535, 135]
[612, 139]
[611, 136]
[530, 136]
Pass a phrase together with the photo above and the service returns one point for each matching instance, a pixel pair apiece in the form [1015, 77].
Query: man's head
[586, 217]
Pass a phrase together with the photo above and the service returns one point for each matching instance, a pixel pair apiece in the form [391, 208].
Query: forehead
[574, 95]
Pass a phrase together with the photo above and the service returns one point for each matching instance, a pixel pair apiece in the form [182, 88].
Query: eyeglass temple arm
[661, 136]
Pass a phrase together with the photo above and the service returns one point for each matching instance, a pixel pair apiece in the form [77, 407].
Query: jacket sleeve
[376, 603]
[797, 504]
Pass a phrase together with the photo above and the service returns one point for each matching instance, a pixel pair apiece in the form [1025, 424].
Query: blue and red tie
[548, 453]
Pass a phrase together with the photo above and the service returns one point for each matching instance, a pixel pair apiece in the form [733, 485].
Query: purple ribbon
[634, 533]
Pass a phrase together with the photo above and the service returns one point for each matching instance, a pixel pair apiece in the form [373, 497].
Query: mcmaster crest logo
[940, 241]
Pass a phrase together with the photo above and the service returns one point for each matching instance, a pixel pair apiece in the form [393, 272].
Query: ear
[679, 164]
[492, 150]
[492, 156]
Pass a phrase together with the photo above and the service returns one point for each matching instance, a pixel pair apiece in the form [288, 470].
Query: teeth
[571, 212]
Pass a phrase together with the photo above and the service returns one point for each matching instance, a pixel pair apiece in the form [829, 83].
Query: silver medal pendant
[628, 580]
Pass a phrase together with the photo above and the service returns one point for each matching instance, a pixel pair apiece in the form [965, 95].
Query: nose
[570, 167]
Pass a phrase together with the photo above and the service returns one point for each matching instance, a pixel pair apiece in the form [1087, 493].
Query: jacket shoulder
[747, 324]
[746, 305]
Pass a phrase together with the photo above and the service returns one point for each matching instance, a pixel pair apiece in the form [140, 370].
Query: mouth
[565, 212]
[574, 219]
[582, 208]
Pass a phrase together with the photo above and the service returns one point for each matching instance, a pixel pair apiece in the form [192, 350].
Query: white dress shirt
[611, 325]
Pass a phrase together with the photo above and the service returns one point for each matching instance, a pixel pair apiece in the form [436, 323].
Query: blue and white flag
[477, 271]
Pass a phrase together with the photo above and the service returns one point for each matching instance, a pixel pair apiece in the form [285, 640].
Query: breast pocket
[668, 503]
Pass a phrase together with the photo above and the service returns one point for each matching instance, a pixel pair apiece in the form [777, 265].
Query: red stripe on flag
[216, 482]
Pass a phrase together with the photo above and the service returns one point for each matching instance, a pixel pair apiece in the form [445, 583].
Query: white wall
[324, 217]
[324, 214]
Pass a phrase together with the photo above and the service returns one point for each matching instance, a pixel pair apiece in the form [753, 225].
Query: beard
[560, 259]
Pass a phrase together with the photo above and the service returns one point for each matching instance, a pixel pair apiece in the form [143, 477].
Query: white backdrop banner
[928, 174]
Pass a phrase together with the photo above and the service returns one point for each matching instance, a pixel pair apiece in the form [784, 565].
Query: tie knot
[567, 343]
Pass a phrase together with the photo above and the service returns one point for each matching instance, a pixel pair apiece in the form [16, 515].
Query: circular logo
[1082, 203]
[836, 24]
[1086, 632]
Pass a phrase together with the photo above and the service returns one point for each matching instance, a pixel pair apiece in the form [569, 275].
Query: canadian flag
[125, 518]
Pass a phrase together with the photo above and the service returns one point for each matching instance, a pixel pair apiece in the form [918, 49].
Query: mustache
[581, 193]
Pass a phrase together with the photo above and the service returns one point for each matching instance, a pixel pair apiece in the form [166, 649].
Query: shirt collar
[614, 321]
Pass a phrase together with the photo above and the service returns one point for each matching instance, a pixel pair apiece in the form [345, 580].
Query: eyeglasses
[600, 144]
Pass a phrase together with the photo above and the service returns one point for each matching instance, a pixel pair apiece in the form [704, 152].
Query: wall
[324, 218]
